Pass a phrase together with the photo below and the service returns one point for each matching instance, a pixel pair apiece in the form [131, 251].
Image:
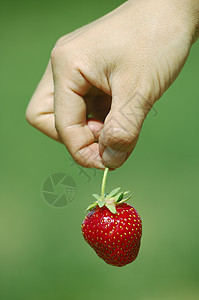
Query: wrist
[190, 9]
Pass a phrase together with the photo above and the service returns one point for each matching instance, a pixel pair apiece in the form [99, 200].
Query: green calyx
[110, 200]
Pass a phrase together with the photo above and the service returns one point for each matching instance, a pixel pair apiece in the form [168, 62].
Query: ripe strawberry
[113, 228]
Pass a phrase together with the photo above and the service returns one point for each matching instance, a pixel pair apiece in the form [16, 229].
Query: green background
[42, 253]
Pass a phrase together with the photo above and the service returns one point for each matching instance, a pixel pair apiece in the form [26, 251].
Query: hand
[104, 78]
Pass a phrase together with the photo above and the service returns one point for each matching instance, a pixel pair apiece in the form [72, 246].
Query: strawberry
[113, 228]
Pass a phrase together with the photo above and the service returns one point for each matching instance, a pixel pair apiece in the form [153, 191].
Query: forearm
[186, 13]
[195, 12]
[191, 9]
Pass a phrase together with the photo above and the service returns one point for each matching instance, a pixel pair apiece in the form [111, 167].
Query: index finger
[70, 86]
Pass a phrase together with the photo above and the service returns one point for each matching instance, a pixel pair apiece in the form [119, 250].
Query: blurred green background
[42, 253]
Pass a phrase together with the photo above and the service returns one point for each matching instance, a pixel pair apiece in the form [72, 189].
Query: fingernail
[113, 158]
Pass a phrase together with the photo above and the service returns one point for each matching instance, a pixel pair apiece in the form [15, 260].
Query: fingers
[58, 109]
[96, 127]
[40, 111]
[70, 112]
[123, 124]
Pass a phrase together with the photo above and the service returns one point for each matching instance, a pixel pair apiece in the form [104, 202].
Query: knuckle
[33, 115]
[60, 40]
[58, 48]
[57, 124]
[60, 127]
[119, 138]
[86, 156]
[30, 116]
[76, 57]
[70, 54]
[56, 53]
[80, 160]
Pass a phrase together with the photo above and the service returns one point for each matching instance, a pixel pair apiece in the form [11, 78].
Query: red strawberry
[113, 228]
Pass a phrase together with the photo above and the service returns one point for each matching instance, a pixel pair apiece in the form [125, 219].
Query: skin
[103, 78]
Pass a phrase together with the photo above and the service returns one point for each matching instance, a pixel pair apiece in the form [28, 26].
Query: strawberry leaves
[111, 207]
[110, 200]
[113, 193]
[119, 197]
[91, 206]
[101, 202]
[96, 196]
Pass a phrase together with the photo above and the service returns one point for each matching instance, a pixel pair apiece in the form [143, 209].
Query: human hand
[137, 49]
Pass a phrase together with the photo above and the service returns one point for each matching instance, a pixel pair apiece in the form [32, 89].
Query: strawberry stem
[104, 182]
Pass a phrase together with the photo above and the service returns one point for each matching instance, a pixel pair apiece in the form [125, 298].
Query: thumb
[122, 127]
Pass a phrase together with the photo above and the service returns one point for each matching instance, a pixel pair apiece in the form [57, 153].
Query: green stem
[104, 182]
